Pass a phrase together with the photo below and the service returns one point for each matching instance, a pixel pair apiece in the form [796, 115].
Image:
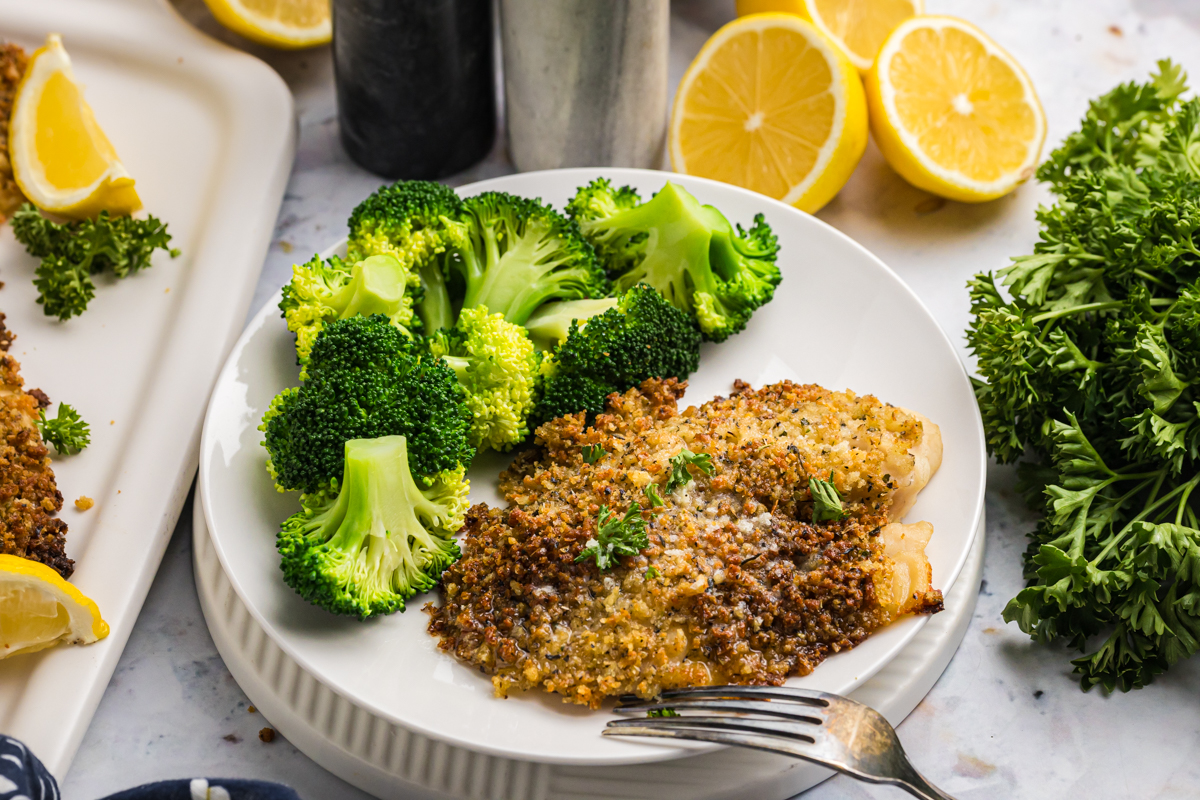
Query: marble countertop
[1006, 720]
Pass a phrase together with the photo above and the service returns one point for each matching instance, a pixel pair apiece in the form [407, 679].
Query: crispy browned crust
[29, 497]
[12, 66]
[747, 591]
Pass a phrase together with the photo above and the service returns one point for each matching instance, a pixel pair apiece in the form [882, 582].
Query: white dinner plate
[840, 318]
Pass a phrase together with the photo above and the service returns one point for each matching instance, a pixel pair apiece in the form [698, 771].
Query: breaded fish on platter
[737, 585]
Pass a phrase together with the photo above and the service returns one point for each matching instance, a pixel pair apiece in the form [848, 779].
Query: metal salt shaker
[585, 82]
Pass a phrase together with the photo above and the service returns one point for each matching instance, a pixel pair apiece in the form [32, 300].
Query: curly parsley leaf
[651, 492]
[827, 503]
[680, 475]
[1086, 352]
[72, 252]
[662, 712]
[615, 537]
[66, 431]
[593, 453]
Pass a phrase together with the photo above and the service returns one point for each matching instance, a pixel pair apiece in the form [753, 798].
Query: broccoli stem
[376, 286]
[436, 310]
[518, 280]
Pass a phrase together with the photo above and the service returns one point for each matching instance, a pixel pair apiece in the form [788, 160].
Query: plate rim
[650, 753]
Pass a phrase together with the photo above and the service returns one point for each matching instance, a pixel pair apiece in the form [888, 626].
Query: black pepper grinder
[415, 84]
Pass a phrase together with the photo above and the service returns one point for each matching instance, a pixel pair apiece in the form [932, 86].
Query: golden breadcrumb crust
[12, 66]
[744, 588]
[29, 497]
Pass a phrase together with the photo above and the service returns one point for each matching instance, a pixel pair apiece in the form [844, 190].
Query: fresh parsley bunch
[72, 252]
[1090, 364]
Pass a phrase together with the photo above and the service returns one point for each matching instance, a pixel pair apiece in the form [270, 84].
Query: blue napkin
[22, 777]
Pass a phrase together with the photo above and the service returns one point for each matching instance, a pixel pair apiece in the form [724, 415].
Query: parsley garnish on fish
[651, 492]
[827, 503]
[593, 453]
[679, 468]
[1088, 357]
[616, 536]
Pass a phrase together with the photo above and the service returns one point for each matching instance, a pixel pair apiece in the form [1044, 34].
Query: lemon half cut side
[772, 105]
[61, 158]
[858, 27]
[952, 112]
[38, 609]
[284, 24]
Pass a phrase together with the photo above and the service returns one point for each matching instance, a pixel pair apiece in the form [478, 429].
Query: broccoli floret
[384, 537]
[497, 367]
[599, 200]
[336, 289]
[643, 337]
[366, 379]
[411, 220]
[550, 324]
[523, 254]
[422, 224]
[688, 252]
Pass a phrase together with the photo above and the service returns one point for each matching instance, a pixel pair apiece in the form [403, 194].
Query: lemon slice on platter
[285, 24]
[61, 159]
[772, 105]
[38, 609]
[952, 112]
[858, 27]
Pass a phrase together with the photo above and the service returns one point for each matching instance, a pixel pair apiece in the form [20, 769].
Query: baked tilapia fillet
[738, 584]
[29, 496]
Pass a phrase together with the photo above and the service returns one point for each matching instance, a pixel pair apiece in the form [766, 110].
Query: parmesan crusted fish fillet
[12, 66]
[745, 588]
[29, 496]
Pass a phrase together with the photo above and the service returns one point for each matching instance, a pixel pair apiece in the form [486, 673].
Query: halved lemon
[61, 159]
[286, 24]
[952, 112]
[857, 26]
[39, 609]
[771, 104]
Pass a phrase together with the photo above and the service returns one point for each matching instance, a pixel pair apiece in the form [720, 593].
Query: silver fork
[826, 729]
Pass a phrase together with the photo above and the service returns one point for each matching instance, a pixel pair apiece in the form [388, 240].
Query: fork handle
[917, 786]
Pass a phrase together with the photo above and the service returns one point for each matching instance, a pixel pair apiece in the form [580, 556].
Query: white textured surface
[1005, 721]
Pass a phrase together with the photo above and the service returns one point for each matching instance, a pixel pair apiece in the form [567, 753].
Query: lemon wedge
[952, 112]
[61, 159]
[858, 27]
[39, 609]
[772, 105]
[285, 24]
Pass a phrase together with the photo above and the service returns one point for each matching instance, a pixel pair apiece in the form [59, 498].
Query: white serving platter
[208, 134]
[840, 318]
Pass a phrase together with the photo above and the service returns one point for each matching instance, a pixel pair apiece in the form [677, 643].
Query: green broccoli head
[366, 379]
[423, 224]
[523, 254]
[497, 367]
[643, 337]
[550, 325]
[411, 220]
[600, 200]
[384, 536]
[336, 289]
[688, 252]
